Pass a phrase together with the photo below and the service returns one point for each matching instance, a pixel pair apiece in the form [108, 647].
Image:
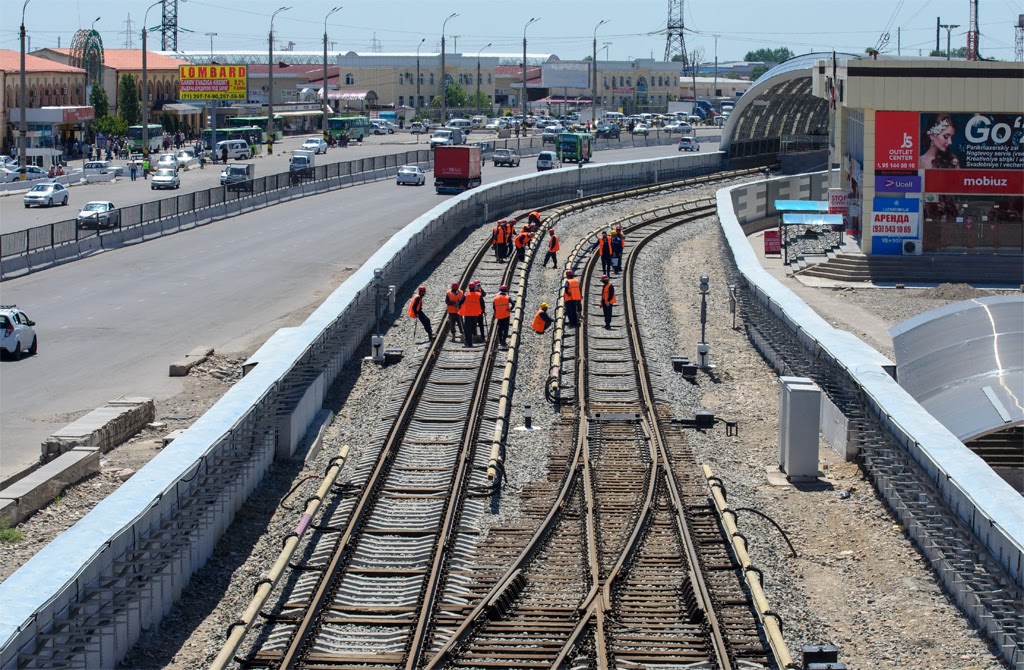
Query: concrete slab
[31, 493]
[104, 427]
[181, 368]
[172, 436]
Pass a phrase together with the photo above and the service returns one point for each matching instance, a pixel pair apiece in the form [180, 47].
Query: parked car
[550, 133]
[17, 333]
[689, 144]
[546, 160]
[465, 125]
[418, 128]
[102, 167]
[678, 127]
[98, 214]
[641, 129]
[46, 194]
[31, 172]
[187, 159]
[315, 144]
[411, 174]
[608, 130]
[507, 157]
[166, 161]
[165, 178]
[382, 127]
[499, 123]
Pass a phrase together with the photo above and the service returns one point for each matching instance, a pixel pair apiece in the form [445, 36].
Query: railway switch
[705, 420]
[821, 656]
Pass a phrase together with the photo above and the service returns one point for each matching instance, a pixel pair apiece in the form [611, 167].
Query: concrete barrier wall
[982, 500]
[184, 499]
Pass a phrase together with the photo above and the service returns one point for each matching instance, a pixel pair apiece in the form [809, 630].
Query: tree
[757, 71]
[128, 107]
[769, 55]
[111, 126]
[959, 52]
[99, 102]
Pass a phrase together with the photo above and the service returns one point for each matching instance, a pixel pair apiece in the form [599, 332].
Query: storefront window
[973, 224]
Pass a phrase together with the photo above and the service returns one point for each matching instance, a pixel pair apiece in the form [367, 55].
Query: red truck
[456, 168]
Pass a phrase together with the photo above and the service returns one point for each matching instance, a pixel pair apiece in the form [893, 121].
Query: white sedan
[641, 129]
[165, 178]
[31, 172]
[411, 174]
[315, 144]
[167, 161]
[46, 194]
[187, 159]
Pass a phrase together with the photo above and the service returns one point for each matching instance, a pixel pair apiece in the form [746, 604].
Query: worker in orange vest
[553, 247]
[471, 310]
[534, 218]
[521, 241]
[452, 300]
[416, 311]
[498, 242]
[573, 298]
[503, 306]
[607, 300]
[510, 234]
[604, 247]
[542, 320]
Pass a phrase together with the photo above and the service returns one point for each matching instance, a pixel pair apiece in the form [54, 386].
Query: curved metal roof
[965, 364]
[778, 103]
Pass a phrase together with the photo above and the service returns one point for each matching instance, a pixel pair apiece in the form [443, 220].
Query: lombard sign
[896, 217]
[213, 82]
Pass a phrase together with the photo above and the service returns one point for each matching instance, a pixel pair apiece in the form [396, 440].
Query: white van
[465, 125]
[237, 149]
[614, 117]
[478, 121]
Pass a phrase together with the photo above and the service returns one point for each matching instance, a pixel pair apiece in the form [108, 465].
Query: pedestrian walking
[416, 311]
[607, 300]
[573, 298]
[452, 301]
[604, 247]
[498, 241]
[617, 246]
[224, 153]
[133, 170]
[542, 320]
[145, 166]
[553, 247]
[471, 310]
[503, 306]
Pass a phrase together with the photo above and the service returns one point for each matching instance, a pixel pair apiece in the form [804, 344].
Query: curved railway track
[391, 576]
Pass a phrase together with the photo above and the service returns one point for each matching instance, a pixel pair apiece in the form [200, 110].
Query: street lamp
[335, 9]
[444, 89]
[270, 83]
[478, 76]
[949, 28]
[528, 23]
[23, 124]
[593, 101]
[145, 81]
[211, 36]
[416, 105]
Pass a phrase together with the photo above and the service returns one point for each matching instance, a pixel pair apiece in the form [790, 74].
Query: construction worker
[573, 298]
[617, 246]
[480, 326]
[452, 301]
[471, 310]
[521, 242]
[534, 218]
[553, 248]
[503, 306]
[510, 234]
[498, 242]
[604, 247]
[607, 300]
[542, 320]
[416, 311]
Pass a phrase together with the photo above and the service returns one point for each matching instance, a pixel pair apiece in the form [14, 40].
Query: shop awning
[792, 219]
[801, 206]
[181, 109]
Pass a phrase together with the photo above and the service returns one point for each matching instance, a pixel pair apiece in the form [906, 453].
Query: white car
[166, 161]
[102, 167]
[418, 128]
[187, 159]
[98, 214]
[382, 127]
[641, 129]
[678, 127]
[411, 174]
[315, 144]
[165, 178]
[17, 333]
[46, 194]
[31, 172]
[689, 144]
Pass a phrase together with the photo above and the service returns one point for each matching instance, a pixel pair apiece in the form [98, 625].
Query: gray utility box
[799, 421]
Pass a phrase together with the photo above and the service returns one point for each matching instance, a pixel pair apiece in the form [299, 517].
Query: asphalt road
[111, 324]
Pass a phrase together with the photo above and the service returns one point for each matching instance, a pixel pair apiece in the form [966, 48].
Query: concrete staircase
[849, 266]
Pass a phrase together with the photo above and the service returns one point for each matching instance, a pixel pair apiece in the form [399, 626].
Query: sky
[565, 27]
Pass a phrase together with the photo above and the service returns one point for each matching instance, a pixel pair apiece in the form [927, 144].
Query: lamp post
[270, 83]
[416, 105]
[211, 36]
[714, 88]
[324, 129]
[593, 101]
[145, 81]
[478, 76]
[528, 23]
[444, 89]
[22, 123]
[949, 27]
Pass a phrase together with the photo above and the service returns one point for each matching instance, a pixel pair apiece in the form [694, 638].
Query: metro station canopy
[780, 106]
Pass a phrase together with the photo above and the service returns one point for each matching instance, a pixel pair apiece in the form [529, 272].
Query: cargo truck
[301, 164]
[456, 168]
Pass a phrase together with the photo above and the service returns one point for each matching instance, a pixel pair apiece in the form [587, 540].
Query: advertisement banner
[772, 242]
[971, 142]
[213, 82]
[896, 145]
[565, 75]
[838, 203]
[908, 184]
[896, 217]
[980, 182]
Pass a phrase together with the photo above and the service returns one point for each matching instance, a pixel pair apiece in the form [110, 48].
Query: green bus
[259, 122]
[156, 137]
[573, 147]
[356, 127]
[247, 134]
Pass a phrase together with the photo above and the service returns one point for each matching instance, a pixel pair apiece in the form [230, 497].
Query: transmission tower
[169, 26]
[972, 33]
[1018, 39]
[128, 33]
[675, 43]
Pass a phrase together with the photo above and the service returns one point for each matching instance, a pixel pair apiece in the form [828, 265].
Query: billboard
[896, 141]
[565, 75]
[896, 217]
[909, 141]
[976, 182]
[213, 82]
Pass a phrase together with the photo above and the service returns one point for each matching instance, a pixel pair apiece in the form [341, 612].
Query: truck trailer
[456, 168]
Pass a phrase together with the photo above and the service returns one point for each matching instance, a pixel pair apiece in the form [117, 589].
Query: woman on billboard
[938, 137]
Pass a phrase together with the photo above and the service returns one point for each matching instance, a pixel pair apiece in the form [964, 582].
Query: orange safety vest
[453, 301]
[499, 234]
[607, 294]
[535, 217]
[522, 239]
[553, 245]
[415, 305]
[604, 245]
[539, 322]
[501, 306]
[622, 236]
[571, 290]
[510, 230]
[473, 305]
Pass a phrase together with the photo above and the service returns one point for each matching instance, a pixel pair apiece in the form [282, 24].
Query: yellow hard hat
[543, 305]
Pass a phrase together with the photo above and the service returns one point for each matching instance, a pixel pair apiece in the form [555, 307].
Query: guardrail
[86, 597]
